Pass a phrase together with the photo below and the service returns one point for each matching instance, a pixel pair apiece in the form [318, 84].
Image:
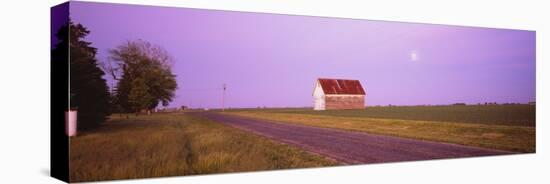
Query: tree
[139, 97]
[88, 90]
[149, 63]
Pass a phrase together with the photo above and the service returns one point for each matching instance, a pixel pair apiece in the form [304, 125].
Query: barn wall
[345, 101]
[319, 103]
[318, 98]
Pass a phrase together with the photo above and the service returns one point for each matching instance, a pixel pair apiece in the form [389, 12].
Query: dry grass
[176, 144]
[510, 138]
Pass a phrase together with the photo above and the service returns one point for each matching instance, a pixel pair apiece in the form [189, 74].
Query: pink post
[70, 122]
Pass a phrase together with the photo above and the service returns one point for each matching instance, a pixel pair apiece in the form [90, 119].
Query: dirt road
[352, 147]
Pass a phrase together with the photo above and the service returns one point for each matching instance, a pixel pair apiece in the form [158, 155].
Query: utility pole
[223, 97]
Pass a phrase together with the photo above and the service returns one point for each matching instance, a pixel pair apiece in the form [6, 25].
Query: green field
[516, 115]
[176, 144]
[503, 127]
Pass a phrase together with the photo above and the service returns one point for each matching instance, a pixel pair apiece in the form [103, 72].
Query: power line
[202, 89]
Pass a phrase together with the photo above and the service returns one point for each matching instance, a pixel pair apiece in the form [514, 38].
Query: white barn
[338, 94]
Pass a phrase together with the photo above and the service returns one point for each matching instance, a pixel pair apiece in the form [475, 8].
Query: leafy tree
[144, 61]
[88, 90]
[139, 97]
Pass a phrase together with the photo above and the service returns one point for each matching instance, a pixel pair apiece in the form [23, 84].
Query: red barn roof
[341, 87]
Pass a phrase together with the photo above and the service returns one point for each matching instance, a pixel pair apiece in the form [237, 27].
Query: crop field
[503, 127]
[515, 115]
[176, 144]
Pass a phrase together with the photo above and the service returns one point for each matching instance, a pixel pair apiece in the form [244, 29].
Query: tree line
[142, 71]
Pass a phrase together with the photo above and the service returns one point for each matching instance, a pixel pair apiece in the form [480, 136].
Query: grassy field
[176, 144]
[513, 130]
[516, 115]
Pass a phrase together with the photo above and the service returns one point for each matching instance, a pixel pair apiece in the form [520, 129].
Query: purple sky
[274, 60]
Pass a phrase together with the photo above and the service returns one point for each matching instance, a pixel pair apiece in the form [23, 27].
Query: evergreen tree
[88, 90]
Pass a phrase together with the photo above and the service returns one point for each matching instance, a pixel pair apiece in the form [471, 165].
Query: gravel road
[352, 147]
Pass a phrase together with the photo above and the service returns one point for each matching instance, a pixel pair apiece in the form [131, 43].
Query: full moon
[414, 56]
